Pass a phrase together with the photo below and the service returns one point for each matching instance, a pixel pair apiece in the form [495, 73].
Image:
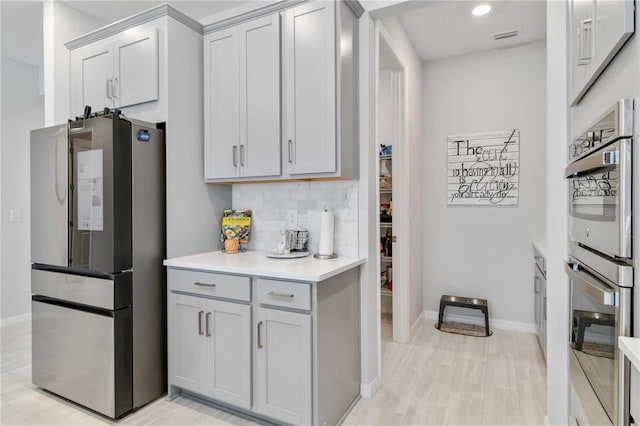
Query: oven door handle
[591, 285]
[595, 161]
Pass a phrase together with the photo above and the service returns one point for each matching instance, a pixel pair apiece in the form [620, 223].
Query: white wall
[367, 212]
[412, 170]
[61, 24]
[22, 110]
[557, 284]
[484, 251]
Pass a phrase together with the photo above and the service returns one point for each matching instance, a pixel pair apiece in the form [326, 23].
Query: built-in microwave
[599, 177]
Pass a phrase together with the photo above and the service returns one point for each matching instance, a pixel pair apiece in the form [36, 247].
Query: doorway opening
[393, 262]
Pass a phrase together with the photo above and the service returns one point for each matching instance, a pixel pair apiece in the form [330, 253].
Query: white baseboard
[368, 389]
[414, 327]
[523, 327]
[16, 319]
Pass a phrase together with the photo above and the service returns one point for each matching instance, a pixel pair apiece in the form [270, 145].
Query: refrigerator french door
[98, 238]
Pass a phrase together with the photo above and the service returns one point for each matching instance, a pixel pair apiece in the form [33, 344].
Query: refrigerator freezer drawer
[75, 354]
[99, 292]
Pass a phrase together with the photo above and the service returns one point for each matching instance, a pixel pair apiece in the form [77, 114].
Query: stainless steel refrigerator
[97, 244]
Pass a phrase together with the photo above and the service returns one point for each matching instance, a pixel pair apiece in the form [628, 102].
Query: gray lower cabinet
[280, 350]
[210, 348]
[283, 365]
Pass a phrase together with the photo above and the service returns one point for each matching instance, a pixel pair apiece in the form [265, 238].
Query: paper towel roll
[325, 243]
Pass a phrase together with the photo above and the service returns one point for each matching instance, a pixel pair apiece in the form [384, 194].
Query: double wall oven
[600, 265]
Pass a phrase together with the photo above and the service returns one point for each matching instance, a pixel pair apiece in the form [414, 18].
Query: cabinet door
[221, 104]
[582, 45]
[228, 342]
[135, 75]
[260, 97]
[283, 370]
[91, 76]
[310, 104]
[614, 20]
[186, 342]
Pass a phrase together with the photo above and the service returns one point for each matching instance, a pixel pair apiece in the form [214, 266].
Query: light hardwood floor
[447, 379]
[436, 379]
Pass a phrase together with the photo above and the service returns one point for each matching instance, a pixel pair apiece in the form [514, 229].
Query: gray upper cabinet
[599, 29]
[117, 72]
[242, 101]
[320, 91]
[312, 49]
[309, 58]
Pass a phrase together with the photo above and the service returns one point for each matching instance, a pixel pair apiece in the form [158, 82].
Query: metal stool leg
[441, 314]
[486, 320]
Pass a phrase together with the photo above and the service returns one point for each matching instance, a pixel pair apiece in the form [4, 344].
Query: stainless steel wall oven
[600, 184]
[600, 268]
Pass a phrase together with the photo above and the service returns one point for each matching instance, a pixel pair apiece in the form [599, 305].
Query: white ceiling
[448, 28]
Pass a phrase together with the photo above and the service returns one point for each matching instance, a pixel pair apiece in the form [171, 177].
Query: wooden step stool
[465, 302]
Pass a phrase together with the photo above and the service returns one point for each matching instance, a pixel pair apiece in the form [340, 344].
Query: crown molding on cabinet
[276, 7]
[356, 7]
[251, 14]
[143, 17]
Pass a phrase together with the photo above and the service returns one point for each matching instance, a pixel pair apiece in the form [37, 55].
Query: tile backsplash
[273, 203]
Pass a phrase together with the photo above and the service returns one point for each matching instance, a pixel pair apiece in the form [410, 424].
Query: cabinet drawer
[210, 284]
[282, 293]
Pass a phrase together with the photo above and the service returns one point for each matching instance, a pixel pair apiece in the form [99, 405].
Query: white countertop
[258, 264]
[630, 347]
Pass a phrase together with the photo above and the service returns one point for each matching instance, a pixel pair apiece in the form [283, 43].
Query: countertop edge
[541, 247]
[262, 272]
[630, 347]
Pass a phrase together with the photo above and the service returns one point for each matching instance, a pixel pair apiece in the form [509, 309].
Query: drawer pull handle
[204, 284]
[200, 322]
[260, 335]
[273, 293]
[207, 324]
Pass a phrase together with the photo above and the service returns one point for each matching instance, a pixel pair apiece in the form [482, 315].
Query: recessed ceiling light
[482, 9]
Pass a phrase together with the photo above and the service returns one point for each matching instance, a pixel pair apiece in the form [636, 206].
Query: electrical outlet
[292, 217]
[15, 215]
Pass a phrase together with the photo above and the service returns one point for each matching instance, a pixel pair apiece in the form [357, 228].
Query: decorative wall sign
[483, 168]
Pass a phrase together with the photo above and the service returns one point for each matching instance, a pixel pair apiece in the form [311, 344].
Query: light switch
[15, 215]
